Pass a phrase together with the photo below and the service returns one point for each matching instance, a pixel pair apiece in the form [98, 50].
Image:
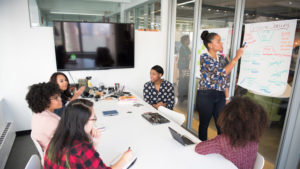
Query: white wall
[28, 57]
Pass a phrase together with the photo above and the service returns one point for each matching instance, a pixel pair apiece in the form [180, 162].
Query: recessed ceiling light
[290, 2]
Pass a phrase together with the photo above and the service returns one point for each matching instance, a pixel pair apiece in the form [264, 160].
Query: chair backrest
[39, 148]
[34, 162]
[172, 115]
[259, 162]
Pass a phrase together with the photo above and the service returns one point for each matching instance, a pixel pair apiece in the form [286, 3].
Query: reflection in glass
[182, 54]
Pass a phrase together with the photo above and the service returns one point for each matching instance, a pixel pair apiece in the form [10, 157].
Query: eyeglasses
[94, 119]
[55, 97]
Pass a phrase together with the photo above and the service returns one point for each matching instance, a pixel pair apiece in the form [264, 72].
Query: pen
[101, 128]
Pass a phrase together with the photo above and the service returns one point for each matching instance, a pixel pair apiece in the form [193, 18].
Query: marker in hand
[244, 44]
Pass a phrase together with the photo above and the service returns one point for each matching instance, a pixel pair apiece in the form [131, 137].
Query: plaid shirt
[82, 155]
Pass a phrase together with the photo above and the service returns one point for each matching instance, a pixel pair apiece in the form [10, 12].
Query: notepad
[129, 164]
[110, 113]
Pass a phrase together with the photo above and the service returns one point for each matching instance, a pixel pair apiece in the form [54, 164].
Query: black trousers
[208, 103]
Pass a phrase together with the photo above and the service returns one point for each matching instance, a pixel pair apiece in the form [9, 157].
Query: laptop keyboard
[187, 141]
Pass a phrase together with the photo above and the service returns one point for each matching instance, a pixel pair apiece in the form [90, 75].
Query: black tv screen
[90, 46]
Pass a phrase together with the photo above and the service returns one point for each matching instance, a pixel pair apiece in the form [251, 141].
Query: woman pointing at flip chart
[213, 86]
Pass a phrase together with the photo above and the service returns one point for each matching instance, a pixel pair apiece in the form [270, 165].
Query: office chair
[172, 115]
[259, 162]
[33, 163]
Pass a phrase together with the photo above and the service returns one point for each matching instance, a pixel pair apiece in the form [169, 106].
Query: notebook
[129, 164]
[180, 138]
[155, 118]
[110, 113]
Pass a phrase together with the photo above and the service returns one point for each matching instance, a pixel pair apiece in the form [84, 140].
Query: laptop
[180, 138]
[155, 118]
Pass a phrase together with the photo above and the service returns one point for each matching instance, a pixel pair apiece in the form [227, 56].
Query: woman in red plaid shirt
[72, 145]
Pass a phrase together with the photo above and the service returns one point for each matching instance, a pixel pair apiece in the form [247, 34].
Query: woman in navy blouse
[159, 92]
[214, 81]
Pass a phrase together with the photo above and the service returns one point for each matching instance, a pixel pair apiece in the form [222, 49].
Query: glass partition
[145, 14]
[268, 13]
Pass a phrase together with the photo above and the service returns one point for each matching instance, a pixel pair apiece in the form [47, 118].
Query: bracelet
[233, 62]
[227, 98]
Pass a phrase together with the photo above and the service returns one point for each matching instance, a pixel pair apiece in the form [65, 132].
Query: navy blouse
[165, 94]
[213, 75]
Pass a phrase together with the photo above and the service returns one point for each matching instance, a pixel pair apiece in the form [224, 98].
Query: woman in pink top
[43, 99]
[242, 122]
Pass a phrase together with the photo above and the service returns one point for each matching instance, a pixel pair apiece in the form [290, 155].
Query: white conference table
[153, 145]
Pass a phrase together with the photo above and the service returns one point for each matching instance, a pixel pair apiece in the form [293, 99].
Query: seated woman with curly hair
[43, 99]
[242, 123]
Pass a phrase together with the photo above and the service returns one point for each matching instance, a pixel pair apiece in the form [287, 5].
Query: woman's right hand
[127, 156]
[124, 160]
[239, 53]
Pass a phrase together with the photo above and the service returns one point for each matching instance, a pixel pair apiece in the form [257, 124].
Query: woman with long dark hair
[72, 145]
[214, 81]
[242, 122]
[62, 81]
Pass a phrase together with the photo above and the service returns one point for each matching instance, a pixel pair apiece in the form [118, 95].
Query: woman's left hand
[161, 104]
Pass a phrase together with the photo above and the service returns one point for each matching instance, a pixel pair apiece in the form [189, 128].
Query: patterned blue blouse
[165, 93]
[213, 75]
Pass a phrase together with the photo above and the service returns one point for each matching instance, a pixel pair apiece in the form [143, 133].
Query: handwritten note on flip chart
[267, 56]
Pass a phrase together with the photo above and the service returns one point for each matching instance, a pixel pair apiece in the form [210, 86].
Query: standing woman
[73, 144]
[62, 81]
[214, 81]
[159, 92]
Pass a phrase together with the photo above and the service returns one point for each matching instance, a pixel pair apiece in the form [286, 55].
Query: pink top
[43, 127]
[242, 157]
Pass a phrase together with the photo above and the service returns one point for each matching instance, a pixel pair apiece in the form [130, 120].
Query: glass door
[182, 53]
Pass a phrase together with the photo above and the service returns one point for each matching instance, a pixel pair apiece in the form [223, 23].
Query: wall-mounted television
[92, 46]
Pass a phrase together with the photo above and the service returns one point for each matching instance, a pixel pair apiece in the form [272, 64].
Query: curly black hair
[38, 96]
[243, 120]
